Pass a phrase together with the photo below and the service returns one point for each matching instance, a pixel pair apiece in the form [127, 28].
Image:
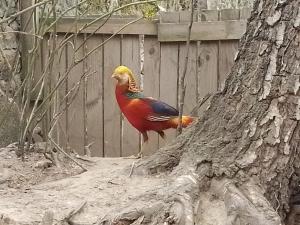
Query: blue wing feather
[162, 108]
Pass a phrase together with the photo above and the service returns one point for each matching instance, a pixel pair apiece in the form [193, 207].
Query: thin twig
[182, 77]
[73, 212]
[74, 91]
[66, 154]
[108, 39]
[61, 16]
[94, 32]
[33, 110]
[22, 32]
[131, 169]
[200, 103]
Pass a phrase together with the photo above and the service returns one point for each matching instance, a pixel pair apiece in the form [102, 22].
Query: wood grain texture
[60, 69]
[131, 59]
[94, 102]
[207, 62]
[245, 13]
[110, 27]
[207, 30]
[227, 49]
[75, 111]
[190, 99]
[208, 15]
[227, 52]
[38, 68]
[44, 51]
[169, 17]
[190, 77]
[229, 14]
[151, 83]
[168, 87]
[53, 75]
[207, 70]
[112, 115]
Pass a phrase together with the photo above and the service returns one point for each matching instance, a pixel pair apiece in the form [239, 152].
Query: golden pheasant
[144, 113]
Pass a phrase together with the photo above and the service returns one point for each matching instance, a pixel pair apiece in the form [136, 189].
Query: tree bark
[244, 149]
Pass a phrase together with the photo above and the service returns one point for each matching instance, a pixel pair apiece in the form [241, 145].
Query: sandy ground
[28, 192]
[35, 169]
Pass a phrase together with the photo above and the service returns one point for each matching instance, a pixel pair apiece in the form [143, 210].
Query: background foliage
[98, 6]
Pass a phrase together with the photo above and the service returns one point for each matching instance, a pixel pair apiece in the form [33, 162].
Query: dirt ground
[31, 194]
[35, 169]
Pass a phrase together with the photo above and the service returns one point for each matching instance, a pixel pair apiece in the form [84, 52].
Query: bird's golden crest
[132, 85]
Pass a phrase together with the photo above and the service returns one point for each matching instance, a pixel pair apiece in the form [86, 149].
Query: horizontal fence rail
[155, 51]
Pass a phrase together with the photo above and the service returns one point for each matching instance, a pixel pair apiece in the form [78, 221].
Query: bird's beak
[114, 75]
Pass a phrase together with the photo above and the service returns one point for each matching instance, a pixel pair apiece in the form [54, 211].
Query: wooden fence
[94, 115]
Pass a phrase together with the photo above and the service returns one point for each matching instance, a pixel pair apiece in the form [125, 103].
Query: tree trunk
[240, 160]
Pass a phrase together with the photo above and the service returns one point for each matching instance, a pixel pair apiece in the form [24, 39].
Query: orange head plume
[124, 73]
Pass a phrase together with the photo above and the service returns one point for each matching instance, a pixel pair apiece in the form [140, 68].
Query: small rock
[43, 164]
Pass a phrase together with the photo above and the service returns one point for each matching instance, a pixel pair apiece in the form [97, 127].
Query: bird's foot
[140, 155]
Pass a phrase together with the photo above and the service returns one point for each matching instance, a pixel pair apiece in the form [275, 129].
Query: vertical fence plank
[44, 70]
[207, 68]
[60, 66]
[168, 80]
[190, 99]
[52, 78]
[112, 115]
[207, 62]
[151, 83]
[131, 59]
[37, 68]
[169, 73]
[245, 13]
[75, 111]
[94, 101]
[228, 48]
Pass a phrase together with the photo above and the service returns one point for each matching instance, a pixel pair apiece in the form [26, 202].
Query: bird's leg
[162, 134]
[145, 140]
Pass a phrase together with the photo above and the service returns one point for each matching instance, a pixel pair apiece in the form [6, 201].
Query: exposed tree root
[166, 158]
[245, 205]
[178, 204]
[173, 204]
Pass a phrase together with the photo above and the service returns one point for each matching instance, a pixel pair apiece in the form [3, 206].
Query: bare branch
[22, 32]
[66, 154]
[182, 77]
[108, 39]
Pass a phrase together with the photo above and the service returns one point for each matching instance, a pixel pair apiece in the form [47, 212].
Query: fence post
[26, 25]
